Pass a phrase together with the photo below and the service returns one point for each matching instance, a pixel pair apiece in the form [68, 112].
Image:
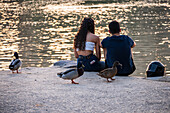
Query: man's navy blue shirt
[119, 49]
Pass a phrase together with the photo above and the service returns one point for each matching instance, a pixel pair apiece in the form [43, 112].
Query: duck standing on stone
[15, 64]
[72, 74]
[109, 72]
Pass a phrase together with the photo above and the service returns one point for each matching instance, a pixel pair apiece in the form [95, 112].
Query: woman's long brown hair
[80, 39]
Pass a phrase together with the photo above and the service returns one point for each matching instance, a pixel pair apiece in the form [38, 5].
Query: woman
[85, 42]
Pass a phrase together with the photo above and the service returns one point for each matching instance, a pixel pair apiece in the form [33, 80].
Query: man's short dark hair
[114, 27]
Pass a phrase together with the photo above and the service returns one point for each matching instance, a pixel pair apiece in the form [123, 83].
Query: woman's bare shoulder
[92, 37]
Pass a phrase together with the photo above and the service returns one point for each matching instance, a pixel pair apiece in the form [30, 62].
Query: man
[119, 48]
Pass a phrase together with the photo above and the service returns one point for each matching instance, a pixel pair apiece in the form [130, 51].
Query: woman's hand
[75, 53]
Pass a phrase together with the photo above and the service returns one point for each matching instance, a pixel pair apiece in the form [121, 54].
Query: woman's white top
[88, 46]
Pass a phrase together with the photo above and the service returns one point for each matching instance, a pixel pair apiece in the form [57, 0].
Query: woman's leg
[92, 63]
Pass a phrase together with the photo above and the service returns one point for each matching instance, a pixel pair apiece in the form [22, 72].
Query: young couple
[116, 48]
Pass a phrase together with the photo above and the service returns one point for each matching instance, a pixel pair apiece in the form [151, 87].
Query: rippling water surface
[43, 31]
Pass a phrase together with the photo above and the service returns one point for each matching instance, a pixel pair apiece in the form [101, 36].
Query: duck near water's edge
[109, 72]
[72, 74]
[15, 63]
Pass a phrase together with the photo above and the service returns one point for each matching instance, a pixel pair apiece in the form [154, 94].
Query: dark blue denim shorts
[91, 63]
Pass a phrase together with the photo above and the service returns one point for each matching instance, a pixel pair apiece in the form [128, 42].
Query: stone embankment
[40, 90]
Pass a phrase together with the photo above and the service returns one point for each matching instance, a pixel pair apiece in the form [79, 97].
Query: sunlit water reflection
[43, 31]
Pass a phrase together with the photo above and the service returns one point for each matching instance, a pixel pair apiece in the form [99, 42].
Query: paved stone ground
[40, 90]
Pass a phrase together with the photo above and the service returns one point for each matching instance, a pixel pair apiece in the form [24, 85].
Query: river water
[42, 31]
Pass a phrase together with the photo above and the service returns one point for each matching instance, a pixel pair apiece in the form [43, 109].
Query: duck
[72, 74]
[15, 63]
[109, 72]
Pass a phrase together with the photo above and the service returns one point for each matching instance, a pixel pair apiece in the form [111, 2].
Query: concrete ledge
[162, 79]
[40, 90]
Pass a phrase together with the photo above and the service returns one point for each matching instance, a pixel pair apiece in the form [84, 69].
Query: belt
[85, 57]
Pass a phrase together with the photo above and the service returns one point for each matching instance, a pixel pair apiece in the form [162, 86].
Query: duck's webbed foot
[108, 80]
[13, 72]
[18, 71]
[74, 82]
[112, 78]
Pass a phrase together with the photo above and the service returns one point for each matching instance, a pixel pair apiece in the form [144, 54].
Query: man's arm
[105, 52]
[133, 45]
[98, 51]
[132, 48]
